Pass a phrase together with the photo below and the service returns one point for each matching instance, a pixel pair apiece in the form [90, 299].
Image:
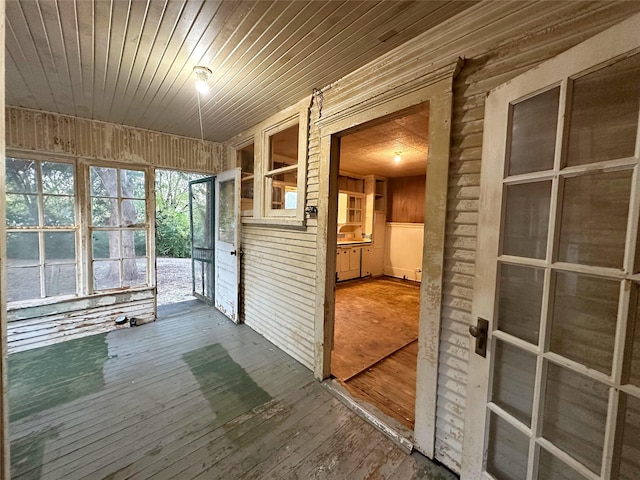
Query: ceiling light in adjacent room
[203, 74]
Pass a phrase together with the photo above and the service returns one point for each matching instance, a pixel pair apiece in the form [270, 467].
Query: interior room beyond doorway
[380, 231]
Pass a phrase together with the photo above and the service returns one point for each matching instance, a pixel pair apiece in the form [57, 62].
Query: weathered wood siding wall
[32, 130]
[279, 274]
[43, 133]
[498, 40]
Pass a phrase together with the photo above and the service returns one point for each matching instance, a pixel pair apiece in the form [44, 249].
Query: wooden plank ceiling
[131, 62]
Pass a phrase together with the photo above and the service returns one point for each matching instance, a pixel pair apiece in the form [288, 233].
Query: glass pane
[284, 148]
[551, 468]
[22, 249]
[106, 274]
[60, 280]
[291, 198]
[226, 212]
[533, 133]
[104, 182]
[594, 219]
[629, 438]
[246, 194]
[23, 283]
[575, 413]
[132, 183]
[202, 216]
[527, 219]
[133, 212]
[584, 319]
[283, 184]
[520, 301]
[604, 113]
[21, 176]
[22, 210]
[513, 377]
[105, 244]
[59, 211]
[198, 277]
[57, 178]
[59, 246]
[631, 372]
[245, 160]
[140, 241]
[134, 271]
[507, 451]
[104, 212]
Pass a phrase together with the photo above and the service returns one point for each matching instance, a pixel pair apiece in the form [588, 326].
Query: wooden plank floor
[390, 385]
[389, 380]
[190, 396]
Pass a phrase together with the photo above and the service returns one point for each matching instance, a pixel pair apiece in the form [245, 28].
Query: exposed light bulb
[202, 76]
[397, 158]
[202, 86]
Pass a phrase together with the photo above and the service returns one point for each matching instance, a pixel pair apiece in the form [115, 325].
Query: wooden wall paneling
[405, 199]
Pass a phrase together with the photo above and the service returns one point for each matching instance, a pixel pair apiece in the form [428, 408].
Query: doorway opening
[174, 276]
[380, 229]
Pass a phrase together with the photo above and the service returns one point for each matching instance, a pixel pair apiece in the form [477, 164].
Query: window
[118, 228]
[245, 158]
[41, 229]
[281, 176]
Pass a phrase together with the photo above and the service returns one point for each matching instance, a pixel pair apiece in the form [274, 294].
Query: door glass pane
[526, 219]
[594, 219]
[584, 319]
[201, 214]
[574, 416]
[508, 450]
[60, 279]
[520, 301]
[552, 468]
[533, 133]
[630, 438]
[513, 379]
[226, 212]
[631, 372]
[604, 113]
[198, 277]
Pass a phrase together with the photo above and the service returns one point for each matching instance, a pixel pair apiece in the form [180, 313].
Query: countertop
[348, 243]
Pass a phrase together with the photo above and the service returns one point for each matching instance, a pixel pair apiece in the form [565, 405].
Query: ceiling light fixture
[203, 74]
[397, 158]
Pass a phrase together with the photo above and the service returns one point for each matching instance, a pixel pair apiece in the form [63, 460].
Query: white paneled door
[227, 242]
[557, 395]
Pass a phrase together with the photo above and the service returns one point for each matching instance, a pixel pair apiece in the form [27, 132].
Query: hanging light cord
[200, 117]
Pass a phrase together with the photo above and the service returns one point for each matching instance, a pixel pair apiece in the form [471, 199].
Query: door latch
[481, 333]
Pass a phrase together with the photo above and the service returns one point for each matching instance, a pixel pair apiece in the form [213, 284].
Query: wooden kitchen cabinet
[348, 259]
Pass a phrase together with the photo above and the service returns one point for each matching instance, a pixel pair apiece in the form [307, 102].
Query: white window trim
[259, 135]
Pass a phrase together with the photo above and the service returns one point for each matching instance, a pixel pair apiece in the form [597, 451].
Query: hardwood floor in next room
[375, 343]
[189, 396]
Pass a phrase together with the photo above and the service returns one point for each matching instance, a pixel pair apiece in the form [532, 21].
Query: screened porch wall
[48, 135]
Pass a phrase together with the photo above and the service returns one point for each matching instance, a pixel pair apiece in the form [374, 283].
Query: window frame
[260, 135]
[233, 153]
[89, 228]
[41, 229]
